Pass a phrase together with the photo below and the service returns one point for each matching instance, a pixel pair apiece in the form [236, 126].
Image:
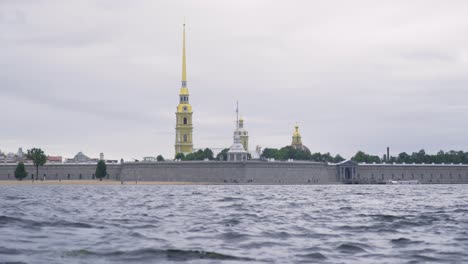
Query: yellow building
[184, 128]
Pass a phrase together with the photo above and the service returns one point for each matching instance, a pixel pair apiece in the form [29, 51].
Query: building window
[185, 138]
[185, 120]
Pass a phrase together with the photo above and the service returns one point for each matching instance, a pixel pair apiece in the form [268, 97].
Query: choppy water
[231, 224]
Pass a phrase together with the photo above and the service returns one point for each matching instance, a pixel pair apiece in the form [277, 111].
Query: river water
[234, 224]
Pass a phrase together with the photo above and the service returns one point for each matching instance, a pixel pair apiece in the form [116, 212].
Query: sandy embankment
[92, 182]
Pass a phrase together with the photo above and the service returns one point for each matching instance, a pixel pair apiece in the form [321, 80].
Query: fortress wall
[61, 171]
[290, 173]
[191, 171]
[252, 172]
[423, 173]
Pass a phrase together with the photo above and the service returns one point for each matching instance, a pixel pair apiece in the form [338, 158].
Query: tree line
[452, 156]
[38, 157]
[289, 152]
[198, 155]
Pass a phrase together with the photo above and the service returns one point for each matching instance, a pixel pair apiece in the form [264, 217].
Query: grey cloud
[363, 76]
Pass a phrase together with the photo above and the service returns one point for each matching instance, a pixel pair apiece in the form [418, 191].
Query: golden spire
[184, 90]
[184, 70]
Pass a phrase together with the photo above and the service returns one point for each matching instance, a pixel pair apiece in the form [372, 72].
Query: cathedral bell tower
[184, 128]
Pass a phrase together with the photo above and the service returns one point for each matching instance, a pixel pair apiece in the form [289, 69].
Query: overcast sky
[104, 76]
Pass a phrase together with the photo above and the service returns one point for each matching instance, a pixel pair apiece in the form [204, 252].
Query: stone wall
[190, 171]
[424, 173]
[61, 171]
[290, 173]
[251, 172]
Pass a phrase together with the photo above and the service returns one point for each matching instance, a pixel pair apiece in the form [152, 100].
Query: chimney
[388, 153]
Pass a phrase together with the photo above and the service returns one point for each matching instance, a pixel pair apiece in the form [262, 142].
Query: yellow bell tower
[184, 128]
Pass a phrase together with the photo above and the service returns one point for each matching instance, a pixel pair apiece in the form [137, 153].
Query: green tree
[208, 154]
[404, 158]
[200, 155]
[366, 158]
[101, 170]
[180, 156]
[316, 157]
[38, 157]
[222, 155]
[160, 158]
[20, 171]
[338, 158]
[269, 153]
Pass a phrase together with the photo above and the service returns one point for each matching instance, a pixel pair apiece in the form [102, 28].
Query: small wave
[4, 220]
[233, 236]
[231, 222]
[258, 245]
[314, 256]
[151, 254]
[424, 258]
[350, 248]
[175, 254]
[67, 224]
[14, 198]
[10, 251]
[404, 241]
[361, 193]
[230, 199]
[386, 217]
[276, 235]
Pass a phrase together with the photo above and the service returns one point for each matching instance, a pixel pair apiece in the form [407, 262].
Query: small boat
[403, 182]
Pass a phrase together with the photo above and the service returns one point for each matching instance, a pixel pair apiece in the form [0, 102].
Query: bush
[20, 171]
